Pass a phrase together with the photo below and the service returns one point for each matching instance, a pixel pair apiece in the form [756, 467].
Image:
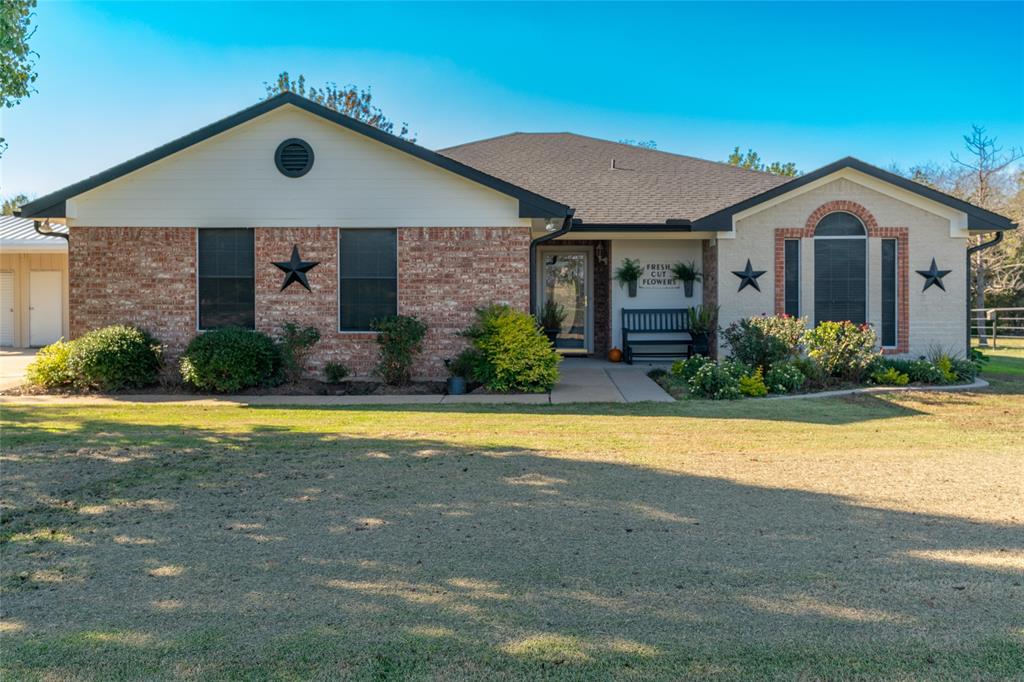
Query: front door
[6, 308]
[44, 307]
[566, 280]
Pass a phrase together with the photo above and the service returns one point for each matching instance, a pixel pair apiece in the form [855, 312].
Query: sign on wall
[658, 276]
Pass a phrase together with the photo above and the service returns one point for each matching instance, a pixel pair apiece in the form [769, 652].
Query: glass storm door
[565, 279]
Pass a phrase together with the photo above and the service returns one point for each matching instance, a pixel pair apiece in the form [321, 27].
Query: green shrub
[399, 341]
[814, 375]
[688, 367]
[114, 358]
[785, 377]
[843, 349]
[295, 343]
[230, 359]
[717, 382]
[50, 367]
[763, 340]
[463, 364]
[965, 370]
[890, 376]
[752, 385]
[918, 371]
[512, 353]
[944, 363]
[336, 372]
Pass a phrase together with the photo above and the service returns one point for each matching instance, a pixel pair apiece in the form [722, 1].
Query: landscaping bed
[779, 355]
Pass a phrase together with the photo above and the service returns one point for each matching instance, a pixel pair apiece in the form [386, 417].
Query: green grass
[1006, 360]
[872, 537]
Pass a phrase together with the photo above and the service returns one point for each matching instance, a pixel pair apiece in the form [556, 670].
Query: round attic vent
[294, 157]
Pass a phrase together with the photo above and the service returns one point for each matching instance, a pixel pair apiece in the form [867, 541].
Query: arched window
[840, 269]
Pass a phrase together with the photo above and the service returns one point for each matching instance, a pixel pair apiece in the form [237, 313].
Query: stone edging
[978, 383]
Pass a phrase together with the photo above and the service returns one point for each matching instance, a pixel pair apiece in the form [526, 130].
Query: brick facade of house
[147, 277]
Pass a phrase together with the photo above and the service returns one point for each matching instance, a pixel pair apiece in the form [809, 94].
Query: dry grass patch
[874, 536]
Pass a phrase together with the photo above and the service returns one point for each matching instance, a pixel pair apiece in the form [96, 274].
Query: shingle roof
[644, 186]
[19, 233]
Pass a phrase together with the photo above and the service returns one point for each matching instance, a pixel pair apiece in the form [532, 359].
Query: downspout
[48, 233]
[566, 227]
[970, 252]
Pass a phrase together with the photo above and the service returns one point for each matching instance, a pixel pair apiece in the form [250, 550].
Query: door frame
[554, 248]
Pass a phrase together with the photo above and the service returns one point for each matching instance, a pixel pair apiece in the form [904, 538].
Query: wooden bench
[671, 325]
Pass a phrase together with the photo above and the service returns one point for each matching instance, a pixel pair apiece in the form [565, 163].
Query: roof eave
[531, 205]
[978, 219]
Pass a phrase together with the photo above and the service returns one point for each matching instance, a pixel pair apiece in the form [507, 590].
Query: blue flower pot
[456, 386]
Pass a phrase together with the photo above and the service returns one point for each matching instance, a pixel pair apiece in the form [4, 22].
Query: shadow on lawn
[274, 552]
[828, 411]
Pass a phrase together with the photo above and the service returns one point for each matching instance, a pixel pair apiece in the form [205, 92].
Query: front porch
[579, 276]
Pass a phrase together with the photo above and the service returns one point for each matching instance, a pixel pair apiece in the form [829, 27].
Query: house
[33, 284]
[228, 226]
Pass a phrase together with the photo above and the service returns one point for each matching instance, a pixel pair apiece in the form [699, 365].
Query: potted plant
[551, 319]
[628, 273]
[703, 322]
[687, 273]
[460, 368]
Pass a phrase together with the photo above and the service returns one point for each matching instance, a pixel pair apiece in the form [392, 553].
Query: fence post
[995, 327]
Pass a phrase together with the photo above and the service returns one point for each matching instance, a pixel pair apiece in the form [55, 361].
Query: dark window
[792, 278]
[840, 288]
[367, 277]
[888, 292]
[227, 288]
[839, 225]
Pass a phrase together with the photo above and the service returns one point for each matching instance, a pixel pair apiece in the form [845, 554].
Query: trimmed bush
[752, 385]
[843, 349]
[464, 364]
[890, 376]
[50, 367]
[513, 354]
[231, 359]
[399, 340]
[114, 358]
[688, 367]
[336, 372]
[717, 382]
[785, 377]
[763, 340]
[919, 371]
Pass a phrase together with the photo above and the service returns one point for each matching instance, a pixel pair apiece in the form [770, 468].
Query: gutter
[566, 227]
[970, 252]
[37, 224]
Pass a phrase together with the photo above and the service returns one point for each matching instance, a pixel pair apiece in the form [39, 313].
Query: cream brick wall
[936, 318]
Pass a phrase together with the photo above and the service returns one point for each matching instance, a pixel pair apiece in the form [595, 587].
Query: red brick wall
[146, 276]
[135, 275]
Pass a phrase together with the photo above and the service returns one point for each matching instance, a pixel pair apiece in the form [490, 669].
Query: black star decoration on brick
[295, 269]
[748, 277]
[933, 276]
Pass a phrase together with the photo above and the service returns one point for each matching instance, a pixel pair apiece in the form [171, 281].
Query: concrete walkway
[582, 381]
[12, 366]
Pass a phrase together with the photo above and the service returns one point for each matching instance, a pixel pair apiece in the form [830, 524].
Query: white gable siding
[230, 180]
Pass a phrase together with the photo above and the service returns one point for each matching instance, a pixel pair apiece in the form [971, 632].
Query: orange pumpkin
[615, 355]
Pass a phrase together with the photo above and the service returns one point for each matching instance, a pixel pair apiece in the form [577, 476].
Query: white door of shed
[6, 308]
[44, 308]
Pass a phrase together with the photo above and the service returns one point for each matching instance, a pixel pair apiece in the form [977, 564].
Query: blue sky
[807, 82]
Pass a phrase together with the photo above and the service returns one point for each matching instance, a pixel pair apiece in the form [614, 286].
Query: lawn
[870, 537]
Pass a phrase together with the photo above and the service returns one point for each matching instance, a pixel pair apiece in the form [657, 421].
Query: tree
[643, 144]
[349, 100]
[752, 161]
[12, 203]
[17, 62]
[989, 176]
